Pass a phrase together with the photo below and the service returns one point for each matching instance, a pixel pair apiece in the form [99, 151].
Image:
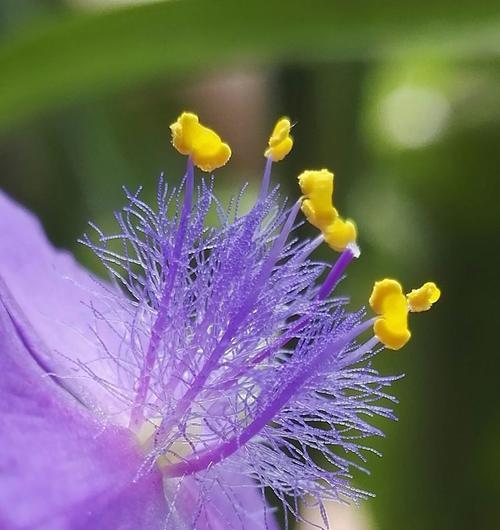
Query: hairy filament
[227, 347]
[333, 277]
[335, 273]
[210, 457]
[264, 188]
[213, 359]
[137, 415]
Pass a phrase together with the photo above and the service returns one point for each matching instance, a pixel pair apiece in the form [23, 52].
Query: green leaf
[78, 55]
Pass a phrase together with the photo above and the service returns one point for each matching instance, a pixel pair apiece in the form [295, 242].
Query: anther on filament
[422, 299]
[317, 206]
[388, 301]
[280, 141]
[202, 144]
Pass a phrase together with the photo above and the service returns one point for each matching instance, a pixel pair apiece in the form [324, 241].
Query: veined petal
[60, 300]
[60, 469]
[224, 498]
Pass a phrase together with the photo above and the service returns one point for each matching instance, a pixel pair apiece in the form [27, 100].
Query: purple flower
[214, 365]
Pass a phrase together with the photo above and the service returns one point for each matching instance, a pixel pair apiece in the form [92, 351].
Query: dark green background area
[86, 98]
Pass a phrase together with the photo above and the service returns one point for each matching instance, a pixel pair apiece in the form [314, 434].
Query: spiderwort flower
[215, 364]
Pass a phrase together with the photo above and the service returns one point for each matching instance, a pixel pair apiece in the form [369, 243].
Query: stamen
[337, 270]
[280, 142]
[333, 277]
[137, 415]
[357, 354]
[422, 299]
[340, 234]
[264, 188]
[213, 359]
[288, 336]
[202, 144]
[203, 460]
[317, 188]
[229, 340]
[387, 299]
[317, 205]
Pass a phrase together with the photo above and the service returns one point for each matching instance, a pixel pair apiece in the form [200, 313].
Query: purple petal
[224, 498]
[55, 295]
[59, 468]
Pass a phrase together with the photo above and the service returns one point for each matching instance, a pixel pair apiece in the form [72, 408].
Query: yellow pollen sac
[422, 299]
[388, 301]
[340, 234]
[317, 188]
[317, 206]
[280, 142]
[203, 145]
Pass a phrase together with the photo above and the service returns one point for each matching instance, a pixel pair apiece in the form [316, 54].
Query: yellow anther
[388, 301]
[340, 234]
[422, 299]
[317, 188]
[203, 145]
[280, 142]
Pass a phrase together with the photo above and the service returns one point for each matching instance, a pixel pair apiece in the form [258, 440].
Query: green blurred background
[401, 100]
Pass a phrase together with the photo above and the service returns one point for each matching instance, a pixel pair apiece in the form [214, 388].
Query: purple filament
[331, 281]
[335, 273]
[264, 188]
[210, 457]
[137, 415]
[213, 359]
